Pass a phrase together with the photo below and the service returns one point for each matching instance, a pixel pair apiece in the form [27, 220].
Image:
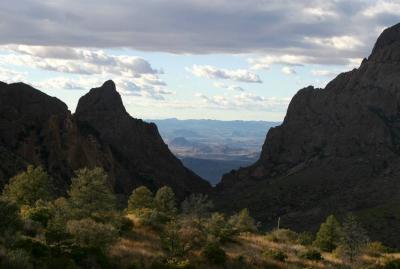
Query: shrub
[243, 222]
[165, 204]
[16, 259]
[10, 221]
[29, 186]
[91, 234]
[275, 254]
[219, 229]
[311, 254]
[40, 212]
[282, 236]
[171, 264]
[193, 233]
[90, 193]
[214, 254]
[375, 249]
[171, 241]
[392, 264]
[329, 234]
[197, 205]
[305, 238]
[354, 238]
[140, 198]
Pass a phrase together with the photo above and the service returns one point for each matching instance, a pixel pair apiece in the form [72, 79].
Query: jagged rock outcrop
[337, 151]
[38, 129]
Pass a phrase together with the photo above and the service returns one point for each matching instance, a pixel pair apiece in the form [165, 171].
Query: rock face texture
[38, 129]
[337, 151]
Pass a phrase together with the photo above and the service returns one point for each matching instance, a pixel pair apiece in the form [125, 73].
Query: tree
[90, 192]
[171, 239]
[329, 234]
[197, 205]
[243, 222]
[218, 228]
[165, 203]
[29, 186]
[354, 237]
[140, 198]
[9, 217]
[91, 234]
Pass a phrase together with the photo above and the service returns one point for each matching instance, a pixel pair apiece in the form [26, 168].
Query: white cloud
[323, 73]
[245, 101]
[336, 42]
[286, 59]
[229, 87]
[382, 7]
[287, 70]
[89, 67]
[211, 72]
[11, 76]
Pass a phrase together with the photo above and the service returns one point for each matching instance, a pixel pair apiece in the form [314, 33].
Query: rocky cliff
[337, 151]
[38, 129]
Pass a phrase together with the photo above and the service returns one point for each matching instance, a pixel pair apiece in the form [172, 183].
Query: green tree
[9, 217]
[329, 234]
[29, 186]
[89, 233]
[165, 203]
[140, 198]
[354, 237]
[171, 239]
[90, 193]
[243, 222]
[197, 205]
[218, 228]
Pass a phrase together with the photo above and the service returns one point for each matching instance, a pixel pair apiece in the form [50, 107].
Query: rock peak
[104, 99]
[389, 39]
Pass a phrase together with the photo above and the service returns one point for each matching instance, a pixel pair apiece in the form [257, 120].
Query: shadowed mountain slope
[337, 151]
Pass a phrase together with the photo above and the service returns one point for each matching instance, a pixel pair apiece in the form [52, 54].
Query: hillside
[337, 151]
[38, 129]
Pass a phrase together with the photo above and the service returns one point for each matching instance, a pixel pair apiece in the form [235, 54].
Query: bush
[171, 241]
[243, 222]
[28, 187]
[41, 212]
[311, 254]
[140, 198]
[214, 254]
[275, 254]
[90, 193]
[91, 234]
[16, 259]
[197, 205]
[10, 221]
[375, 249]
[165, 204]
[219, 229]
[282, 236]
[392, 264]
[305, 238]
[329, 234]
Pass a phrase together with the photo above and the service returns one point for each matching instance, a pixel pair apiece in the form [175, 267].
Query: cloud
[275, 27]
[244, 101]
[88, 67]
[211, 72]
[323, 73]
[11, 76]
[229, 87]
[287, 70]
[77, 61]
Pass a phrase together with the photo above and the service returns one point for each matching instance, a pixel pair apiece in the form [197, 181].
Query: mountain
[337, 151]
[212, 148]
[38, 129]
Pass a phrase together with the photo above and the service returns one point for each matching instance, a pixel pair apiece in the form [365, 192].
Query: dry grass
[142, 246]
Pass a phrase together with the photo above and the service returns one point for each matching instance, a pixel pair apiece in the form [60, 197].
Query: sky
[188, 59]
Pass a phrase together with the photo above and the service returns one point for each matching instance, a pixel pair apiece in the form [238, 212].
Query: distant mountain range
[212, 148]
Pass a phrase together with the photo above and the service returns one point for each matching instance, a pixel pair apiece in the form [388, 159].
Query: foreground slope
[38, 129]
[337, 151]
